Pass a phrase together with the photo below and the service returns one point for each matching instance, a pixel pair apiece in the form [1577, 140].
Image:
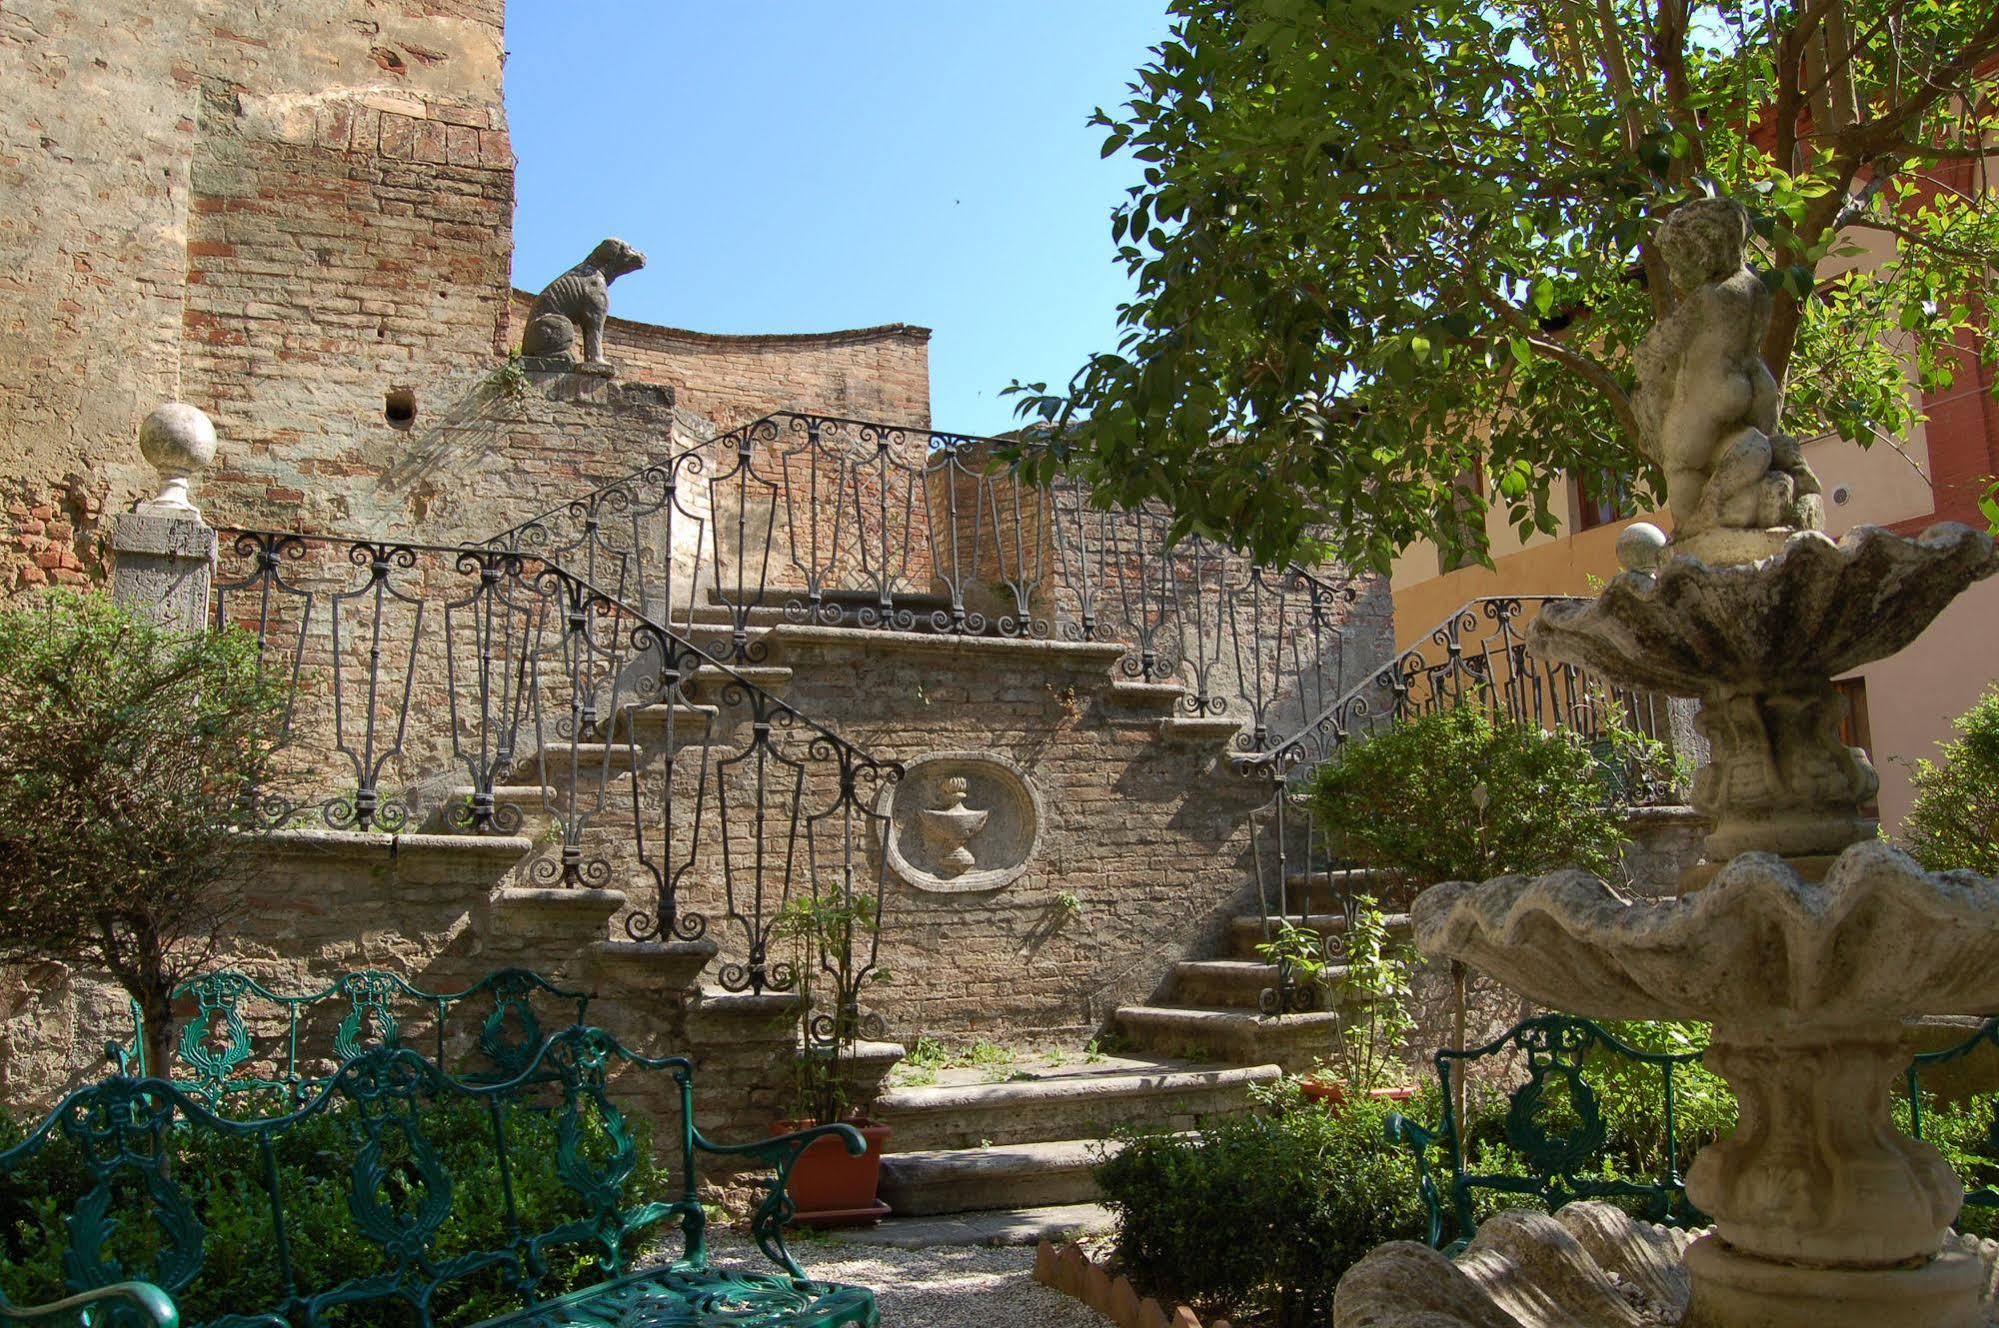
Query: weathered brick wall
[277, 212]
[872, 373]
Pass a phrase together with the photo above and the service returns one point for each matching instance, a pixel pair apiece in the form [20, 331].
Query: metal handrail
[536, 666]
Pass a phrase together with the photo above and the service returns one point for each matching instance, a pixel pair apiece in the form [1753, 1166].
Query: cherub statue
[579, 298]
[1707, 403]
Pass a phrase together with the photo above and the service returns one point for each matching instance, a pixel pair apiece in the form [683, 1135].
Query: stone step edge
[936, 1166]
[1196, 1016]
[905, 1102]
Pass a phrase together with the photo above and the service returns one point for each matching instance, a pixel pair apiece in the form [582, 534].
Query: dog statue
[579, 298]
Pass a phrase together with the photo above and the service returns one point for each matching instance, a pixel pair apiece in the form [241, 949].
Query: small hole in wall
[399, 409]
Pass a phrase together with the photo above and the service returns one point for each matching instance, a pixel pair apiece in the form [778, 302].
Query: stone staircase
[962, 1145]
[1032, 1139]
[1211, 1007]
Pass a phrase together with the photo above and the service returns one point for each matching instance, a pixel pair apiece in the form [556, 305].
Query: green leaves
[1954, 821]
[125, 750]
[1374, 237]
[1400, 800]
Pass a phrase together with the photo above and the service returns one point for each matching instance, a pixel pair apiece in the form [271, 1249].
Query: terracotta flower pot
[1332, 1093]
[831, 1188]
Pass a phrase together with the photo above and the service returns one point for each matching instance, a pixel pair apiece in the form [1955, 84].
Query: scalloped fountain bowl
[1759, 643]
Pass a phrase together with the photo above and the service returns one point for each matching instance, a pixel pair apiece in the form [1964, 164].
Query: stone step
[1004, 1226]
[710, 684]
[587, 763]
[1291, 1041]
[1236, 984]
[653, 966]
[648, 722]
[533, 801]
[1247, 931]
[1081, 1104]
[1347, 880]
[973, 1180]
[1200, 730]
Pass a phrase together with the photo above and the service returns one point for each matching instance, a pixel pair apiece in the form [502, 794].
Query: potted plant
[835, 939]
[1369, 984]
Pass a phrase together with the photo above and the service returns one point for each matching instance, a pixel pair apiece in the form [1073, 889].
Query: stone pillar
[163, 553]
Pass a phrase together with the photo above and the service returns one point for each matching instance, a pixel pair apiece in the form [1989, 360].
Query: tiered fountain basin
[1808, 948]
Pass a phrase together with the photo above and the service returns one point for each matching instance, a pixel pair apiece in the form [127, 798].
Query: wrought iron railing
[471, 688]
[238, 1036]
[813, 519]
[1478, 656]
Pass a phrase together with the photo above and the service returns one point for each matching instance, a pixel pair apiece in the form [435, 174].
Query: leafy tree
[1954, 821]
[125, 751]
[1384, 251]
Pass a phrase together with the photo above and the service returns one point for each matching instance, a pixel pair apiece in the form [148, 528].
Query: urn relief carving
[961, 821]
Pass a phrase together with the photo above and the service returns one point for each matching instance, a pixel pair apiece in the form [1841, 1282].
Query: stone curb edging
[1065, 1267]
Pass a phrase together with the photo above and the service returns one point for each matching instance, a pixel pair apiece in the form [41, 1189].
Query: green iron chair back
[229, 1014]
[1562, 1157]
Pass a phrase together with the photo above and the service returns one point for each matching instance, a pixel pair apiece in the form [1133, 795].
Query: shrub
[1462, 795]
[1954, 821]
[1261, 1211]
[224, 1177]
[125, 752]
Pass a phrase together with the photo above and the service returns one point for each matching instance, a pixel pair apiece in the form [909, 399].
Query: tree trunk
[156, 1013]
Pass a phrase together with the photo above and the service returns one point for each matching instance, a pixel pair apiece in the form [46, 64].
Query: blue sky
[806, 165]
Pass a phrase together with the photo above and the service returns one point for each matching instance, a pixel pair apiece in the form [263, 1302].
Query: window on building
[1853, 730]
[1853, 727]
[1601, 498]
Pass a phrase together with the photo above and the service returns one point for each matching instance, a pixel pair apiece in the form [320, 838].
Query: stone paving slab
[1017, 1226]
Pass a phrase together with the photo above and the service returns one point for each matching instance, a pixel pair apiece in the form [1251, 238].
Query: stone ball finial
[1641, 548]
[179, 441]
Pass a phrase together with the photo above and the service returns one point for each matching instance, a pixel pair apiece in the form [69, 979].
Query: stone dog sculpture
[579, 298]
[1707, 404]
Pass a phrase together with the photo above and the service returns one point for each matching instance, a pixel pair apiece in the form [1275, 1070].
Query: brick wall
[276, 212]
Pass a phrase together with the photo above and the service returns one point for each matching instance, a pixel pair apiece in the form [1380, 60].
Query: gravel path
[953, 1286]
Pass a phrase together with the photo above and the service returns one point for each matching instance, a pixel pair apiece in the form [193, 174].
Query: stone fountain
[1807, 942]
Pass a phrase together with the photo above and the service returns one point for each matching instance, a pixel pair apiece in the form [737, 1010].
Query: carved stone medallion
[962, 821]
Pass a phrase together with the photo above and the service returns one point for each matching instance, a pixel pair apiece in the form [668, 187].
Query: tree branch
[1870, 138]
[1669, 54]
[1596, 375]
[1921, 241]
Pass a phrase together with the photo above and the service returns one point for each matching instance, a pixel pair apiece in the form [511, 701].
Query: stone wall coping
[838, 337]
[797, 635]
[353, 844]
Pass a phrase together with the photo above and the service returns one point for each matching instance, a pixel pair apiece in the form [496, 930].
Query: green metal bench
[1986, 1036]
[1561, 1157]
[101, 1306]
[376, 1159]
[240, 1037]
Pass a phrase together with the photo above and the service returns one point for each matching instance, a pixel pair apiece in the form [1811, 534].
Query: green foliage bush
[126, 749]
[224, 1177]
[1954, 821]
[1261, 1211]
[1462, 795]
